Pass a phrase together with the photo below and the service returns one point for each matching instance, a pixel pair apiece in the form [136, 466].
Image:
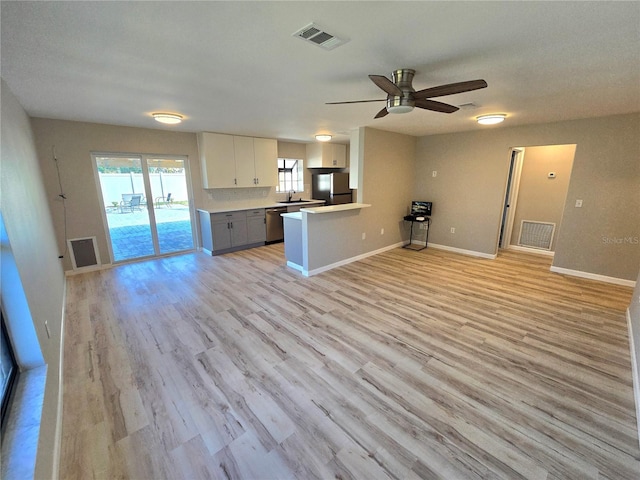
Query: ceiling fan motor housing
[403, 78]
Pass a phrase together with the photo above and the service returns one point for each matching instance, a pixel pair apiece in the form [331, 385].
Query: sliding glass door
[146, 203]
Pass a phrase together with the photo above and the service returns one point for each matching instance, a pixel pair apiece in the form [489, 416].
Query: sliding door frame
[150, 201]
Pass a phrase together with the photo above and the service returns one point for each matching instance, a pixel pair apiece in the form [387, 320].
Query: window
[290, 175]
[8, 369]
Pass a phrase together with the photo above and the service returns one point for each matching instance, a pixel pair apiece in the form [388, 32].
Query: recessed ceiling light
[323, 138]
[491, 119]
[168, 118]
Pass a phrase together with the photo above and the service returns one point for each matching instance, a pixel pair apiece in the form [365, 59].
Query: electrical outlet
[453, 229]
[364, 235]
[434, 173]
[578, 203]
[382, 231]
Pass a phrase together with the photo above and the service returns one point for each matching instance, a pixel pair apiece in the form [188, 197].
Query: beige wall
[74, 142]
[25, 210]
[387, 184]
[472, 171]
[541, 198]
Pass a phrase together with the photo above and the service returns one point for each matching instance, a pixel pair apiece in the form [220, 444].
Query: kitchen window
[290, 175]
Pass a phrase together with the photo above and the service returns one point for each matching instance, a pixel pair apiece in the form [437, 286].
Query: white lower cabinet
[229, 231]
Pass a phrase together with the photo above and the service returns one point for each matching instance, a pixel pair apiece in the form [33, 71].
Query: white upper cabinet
[245, 161]
[326, 155]
[266, 161]
[229, 161]
[217, 160]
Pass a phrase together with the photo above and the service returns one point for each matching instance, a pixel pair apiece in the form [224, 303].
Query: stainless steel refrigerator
[333, 188]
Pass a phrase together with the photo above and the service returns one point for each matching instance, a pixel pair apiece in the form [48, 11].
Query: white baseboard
[93, 268]
[634, 372]
[295, 266]
[462, 251]
[594, 276]
[534, 251]
[349, 260]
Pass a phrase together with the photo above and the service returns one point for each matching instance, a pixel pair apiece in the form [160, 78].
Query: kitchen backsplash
[248, 197]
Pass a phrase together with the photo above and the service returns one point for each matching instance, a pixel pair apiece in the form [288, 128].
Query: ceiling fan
[402, 97]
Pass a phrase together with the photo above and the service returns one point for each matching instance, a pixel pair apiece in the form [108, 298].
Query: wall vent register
[84, 253]
[536, 234]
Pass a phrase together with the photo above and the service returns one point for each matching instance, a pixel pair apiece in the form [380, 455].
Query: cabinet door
[266, 161]
[339, 156]
[256, 226]
[326, 155]
[245, 161]
[221, 233]
[314, 155]
[239, 229]
[217, 160]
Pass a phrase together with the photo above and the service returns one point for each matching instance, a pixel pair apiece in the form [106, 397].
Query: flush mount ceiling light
[491, 119]
[323, 138]
[168, 118]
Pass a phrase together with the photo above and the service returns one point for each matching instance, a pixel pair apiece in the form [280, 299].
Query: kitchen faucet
[291, 192]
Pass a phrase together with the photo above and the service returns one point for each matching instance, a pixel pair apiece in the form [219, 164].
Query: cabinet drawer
[227, 217]
[256, 213]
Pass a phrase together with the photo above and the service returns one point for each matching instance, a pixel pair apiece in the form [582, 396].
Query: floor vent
[315, 34]
[84, 253]
[536, 234]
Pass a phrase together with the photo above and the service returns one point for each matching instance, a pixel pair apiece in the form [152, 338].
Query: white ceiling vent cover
[315, 34]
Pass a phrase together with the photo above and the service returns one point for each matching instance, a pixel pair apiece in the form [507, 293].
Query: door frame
[512, 185]
[150, 210]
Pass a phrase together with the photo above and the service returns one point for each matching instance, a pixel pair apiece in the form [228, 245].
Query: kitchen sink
[297, 201]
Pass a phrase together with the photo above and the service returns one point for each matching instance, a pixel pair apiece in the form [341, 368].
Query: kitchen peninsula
[320, 238]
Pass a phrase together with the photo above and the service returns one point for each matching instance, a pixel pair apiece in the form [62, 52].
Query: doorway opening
[535, 194]
[147, 207]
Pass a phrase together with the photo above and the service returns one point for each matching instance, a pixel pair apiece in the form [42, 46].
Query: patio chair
[130, 202]
[166, 200]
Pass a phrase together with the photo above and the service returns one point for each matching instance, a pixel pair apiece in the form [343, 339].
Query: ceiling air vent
[315, 34]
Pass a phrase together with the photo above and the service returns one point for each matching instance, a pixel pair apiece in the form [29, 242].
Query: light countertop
[336, 208]
[260, 205]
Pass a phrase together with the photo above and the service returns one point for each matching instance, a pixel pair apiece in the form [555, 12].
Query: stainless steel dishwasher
[275, 228]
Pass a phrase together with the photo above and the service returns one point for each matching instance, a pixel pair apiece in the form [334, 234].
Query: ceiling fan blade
[387, 85]
[357, 101]
[450, 89]
[436, 106]
[381, 113]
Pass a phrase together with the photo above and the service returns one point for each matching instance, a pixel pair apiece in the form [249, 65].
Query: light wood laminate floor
[405, 365]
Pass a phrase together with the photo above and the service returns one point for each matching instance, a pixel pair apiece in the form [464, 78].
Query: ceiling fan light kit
[323, 138]
[167, 118]
[492, 119]
[403, 98]
[399, 108]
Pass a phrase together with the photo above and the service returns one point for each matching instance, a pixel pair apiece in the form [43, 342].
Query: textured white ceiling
[234, 67]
